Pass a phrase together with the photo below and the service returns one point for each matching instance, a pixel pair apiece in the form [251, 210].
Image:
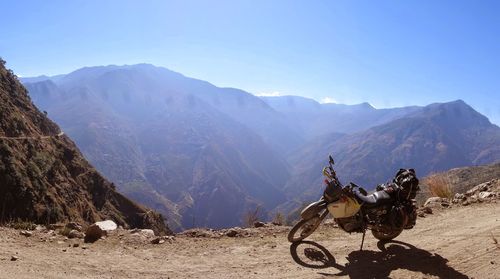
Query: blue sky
[387, 53]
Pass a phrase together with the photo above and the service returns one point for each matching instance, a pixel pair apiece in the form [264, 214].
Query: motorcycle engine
[350, 224]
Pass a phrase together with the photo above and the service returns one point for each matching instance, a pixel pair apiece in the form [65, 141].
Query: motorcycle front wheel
[305, 228]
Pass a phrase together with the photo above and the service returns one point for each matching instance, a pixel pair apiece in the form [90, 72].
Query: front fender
[313, 209]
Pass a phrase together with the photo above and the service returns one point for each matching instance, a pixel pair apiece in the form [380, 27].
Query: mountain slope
[45, 179]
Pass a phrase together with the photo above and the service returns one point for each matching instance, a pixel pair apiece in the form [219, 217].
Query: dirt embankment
[461, 242]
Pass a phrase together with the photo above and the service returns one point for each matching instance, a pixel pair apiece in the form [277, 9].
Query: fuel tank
[344, 207]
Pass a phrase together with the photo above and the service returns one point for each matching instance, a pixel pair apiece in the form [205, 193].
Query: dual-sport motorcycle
[386, 212]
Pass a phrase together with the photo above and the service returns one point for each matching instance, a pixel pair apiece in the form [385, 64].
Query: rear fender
[313, 209]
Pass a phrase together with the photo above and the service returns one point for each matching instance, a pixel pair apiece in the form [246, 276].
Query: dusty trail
[37, 137]
[454, 243]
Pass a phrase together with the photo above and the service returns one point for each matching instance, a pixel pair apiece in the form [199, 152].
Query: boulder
[93, 233]
[107, 225]
[99, 229]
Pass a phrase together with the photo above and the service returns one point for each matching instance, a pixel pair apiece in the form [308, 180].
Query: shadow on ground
[374, 264]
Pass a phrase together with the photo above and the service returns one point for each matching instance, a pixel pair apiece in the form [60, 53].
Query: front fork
[315, 208]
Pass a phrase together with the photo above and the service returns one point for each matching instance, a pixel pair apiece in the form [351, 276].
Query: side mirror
[331, 160]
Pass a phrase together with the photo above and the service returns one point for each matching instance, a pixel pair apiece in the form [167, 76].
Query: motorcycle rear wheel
[306, 227]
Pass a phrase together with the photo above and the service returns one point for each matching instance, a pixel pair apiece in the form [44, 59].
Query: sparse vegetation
[252, 215]
[22, 225]
[439, 185]
[279, 218]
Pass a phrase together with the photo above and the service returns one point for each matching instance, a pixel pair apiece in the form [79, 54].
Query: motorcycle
[386, 212]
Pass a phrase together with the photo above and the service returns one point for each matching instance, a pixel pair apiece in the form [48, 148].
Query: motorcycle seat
[377, 198]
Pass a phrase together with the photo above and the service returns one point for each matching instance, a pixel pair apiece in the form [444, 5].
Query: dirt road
[453, 243]
[36, 138]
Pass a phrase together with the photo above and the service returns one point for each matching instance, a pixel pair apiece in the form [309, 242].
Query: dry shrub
[251, 216]
[439, 185]
[65, 231]
[22, 225]
[279, 218]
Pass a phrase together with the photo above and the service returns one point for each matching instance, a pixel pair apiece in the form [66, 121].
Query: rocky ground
[456, 242]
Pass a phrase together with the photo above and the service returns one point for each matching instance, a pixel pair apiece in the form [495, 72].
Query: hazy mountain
[152, 132]
[43, 176]
[434, 138]
[313, 119]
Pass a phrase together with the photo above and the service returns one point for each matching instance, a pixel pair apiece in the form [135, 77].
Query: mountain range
[204, 155]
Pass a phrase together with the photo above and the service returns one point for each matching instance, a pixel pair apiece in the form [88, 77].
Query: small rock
[76, 245]
[39, 228]
[14, 258]
[427, 210]
[459, 196]
[64, 250]
[435, 201]
[148, 232]
[55, 226]
[466, 203]
[74, 226]
[143, 232]
[84, 247]
[479, 188]
[484, 195]
[258, 224]
[75, 234]
[421, 214]
[157, 240]
[232, 233]
[26, 233]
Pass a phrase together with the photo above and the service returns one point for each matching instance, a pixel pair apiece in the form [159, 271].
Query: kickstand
[362, 240]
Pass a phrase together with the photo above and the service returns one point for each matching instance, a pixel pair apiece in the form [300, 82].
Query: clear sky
[387, 53]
